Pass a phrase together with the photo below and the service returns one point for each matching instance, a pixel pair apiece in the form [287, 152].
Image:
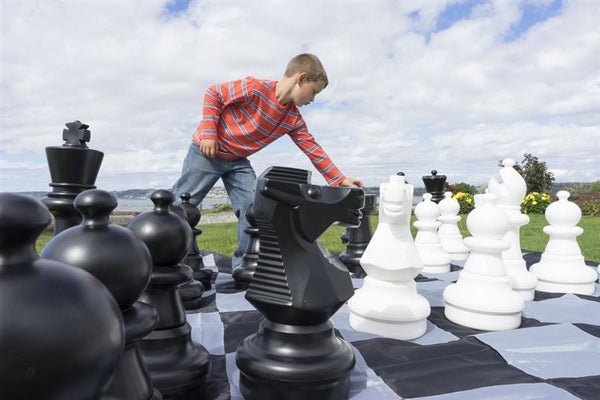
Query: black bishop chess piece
[177, 365]
[73, 169]
[295, 354]
[243, 274]
[434, 184]
[61, 330]
[357, 239]
[122, 262]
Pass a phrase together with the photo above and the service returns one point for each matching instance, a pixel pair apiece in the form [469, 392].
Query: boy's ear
[302, 76]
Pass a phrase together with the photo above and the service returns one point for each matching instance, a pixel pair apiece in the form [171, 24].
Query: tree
[595, 187]
[536, 175]
[460, 187]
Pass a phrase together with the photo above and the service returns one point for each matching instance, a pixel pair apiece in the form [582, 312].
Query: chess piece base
[242, 277]
[294, 362]
[436, 269]
[521, 280]
[564, 274]
[352, 262]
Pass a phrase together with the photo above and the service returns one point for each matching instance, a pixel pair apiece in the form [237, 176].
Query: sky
[414, 85]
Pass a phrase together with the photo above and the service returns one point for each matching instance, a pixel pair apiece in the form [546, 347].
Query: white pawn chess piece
[562, 267]
[435, 259]
[452, 240]
[509, 195]
[482, 297]
[388, 303]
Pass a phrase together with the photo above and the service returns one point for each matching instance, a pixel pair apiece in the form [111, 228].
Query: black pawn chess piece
[357, 239]
[243, 274]
[295, 353]
[177, 365]
[61, 331]
[192, 291]
[122, 262]
[73, 169]
[434, 184]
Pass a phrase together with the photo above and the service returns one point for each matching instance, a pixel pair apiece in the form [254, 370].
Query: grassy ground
[221, 238]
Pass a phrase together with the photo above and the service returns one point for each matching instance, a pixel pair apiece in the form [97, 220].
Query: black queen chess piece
[295, 353]
[177, 365]
[122, 262]
[61, 330]
[434, 184]
[357, 239]
[73, 169]
[243, 274]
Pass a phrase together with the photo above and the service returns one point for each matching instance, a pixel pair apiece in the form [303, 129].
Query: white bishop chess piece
[482, 297]
[562, 267]
[435, 259]
[509, 195]
[388, 303]
[452, 240]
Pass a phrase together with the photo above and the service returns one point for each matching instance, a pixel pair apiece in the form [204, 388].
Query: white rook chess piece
[388, 303]
[562, 267]
[452, 241]
[482, 297]
[509, 195]
[435, 259]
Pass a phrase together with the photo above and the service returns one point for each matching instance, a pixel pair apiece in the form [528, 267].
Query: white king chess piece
[562, 267]
[435, 259]
[509, 195]
[452, 240]
[482, 297]
[388, 303]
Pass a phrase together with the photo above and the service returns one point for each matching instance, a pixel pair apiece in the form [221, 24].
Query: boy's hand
[209, 148]
[349, 182]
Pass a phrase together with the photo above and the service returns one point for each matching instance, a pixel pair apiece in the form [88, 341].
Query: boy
[240, 118]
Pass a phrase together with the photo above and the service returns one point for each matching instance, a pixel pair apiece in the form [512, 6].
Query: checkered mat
[555, 354]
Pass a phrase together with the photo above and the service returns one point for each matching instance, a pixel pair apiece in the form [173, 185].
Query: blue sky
[415, 85]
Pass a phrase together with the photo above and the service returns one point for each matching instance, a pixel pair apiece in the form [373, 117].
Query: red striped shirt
[245, 116]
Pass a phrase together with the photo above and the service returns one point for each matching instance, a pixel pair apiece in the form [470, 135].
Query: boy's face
[304, 92]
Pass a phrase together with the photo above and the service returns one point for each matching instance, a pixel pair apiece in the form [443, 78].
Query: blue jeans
[199, 175]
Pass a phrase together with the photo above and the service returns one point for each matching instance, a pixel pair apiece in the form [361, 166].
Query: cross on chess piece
[295, 353]
[435, 259]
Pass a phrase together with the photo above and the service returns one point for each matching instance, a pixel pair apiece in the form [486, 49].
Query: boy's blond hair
[310, 64]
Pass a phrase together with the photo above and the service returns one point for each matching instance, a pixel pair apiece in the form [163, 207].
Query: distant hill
[135, 194]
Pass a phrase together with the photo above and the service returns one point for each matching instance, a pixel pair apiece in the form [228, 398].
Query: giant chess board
[554, 355]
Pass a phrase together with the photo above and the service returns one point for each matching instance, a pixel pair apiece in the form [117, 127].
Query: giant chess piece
[73, 169]
[435, 259]
[434, 184]
[244, 273]
[295, 354]
[452, 240]
[121, 261]
[178, 366]
[509, 195]
[61, 331]
[357, 239]
[562, 267]
[388, 304]
[482, 297]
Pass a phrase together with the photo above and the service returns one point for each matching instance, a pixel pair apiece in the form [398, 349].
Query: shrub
[460, 187]
[591, 207]
[465, 200]
[535, 203]
[595, 188]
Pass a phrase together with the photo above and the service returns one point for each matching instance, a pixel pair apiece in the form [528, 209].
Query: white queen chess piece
[435, 259]
[388, 303]
[482, 297]
[509, 195]
[562, 267]
[452, 240]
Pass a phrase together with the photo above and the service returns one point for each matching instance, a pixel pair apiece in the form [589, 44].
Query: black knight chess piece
[357, 239]
[177, 365]
[122, 262]
[73, 169]
[61, 330]
[295, 353]
[243, 274]
[434, 184]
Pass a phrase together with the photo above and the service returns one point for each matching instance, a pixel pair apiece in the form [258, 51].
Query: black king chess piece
[122, 262]
[434, 184]
[295, 353]
[243, 274]
[357, 239]
[73, 169]
[177, 365]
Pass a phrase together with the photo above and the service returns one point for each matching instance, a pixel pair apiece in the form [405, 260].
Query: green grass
[221, 238]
